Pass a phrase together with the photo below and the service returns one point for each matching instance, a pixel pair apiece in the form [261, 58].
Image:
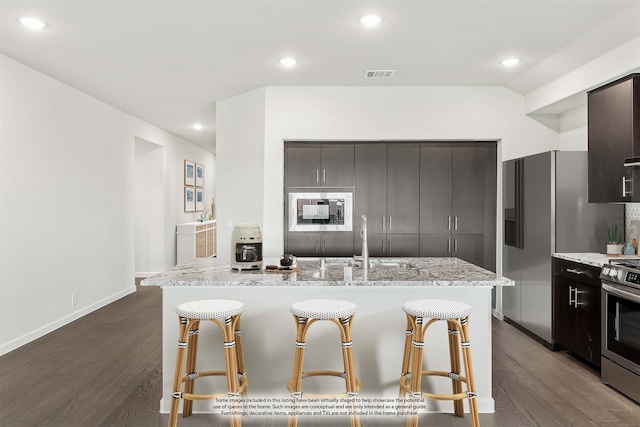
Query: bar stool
[456, 315]
[226, 314]
[305, 314]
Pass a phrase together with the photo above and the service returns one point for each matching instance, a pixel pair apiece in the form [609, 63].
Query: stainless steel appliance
[246, 247]
[546, 211]
[621, 326]
[320, 211]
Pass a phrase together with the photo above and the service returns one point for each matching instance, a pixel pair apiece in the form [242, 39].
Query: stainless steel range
[621, 326]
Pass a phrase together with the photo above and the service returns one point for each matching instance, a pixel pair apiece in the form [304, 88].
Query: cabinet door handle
[624, 186]
[570, 296]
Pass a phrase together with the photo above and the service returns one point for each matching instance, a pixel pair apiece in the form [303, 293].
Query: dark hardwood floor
[105, 370]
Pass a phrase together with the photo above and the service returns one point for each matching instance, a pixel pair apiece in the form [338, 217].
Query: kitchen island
[378, 330]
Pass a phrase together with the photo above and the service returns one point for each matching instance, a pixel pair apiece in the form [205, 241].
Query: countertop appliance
[320, 211]
[621, 326]
[246, 247]
[546, 211]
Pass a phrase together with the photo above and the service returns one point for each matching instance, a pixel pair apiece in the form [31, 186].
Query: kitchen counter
[268, 328]
[387, 272]
[594, 259]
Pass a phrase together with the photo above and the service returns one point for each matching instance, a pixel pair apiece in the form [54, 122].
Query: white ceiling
[168, 62]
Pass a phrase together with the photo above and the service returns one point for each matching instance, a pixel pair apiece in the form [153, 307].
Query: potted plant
[614, 245]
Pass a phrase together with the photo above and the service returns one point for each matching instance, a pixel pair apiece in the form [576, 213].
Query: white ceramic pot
[614, 250]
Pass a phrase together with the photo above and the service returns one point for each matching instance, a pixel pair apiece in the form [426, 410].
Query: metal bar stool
[305, 314]
[225, 314]
[456, 314]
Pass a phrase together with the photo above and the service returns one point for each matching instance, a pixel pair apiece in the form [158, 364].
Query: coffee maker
[246, 247]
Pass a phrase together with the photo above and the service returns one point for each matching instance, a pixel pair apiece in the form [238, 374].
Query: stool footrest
[244, 383]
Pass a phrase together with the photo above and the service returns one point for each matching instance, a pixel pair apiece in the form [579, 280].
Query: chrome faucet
[365, 246]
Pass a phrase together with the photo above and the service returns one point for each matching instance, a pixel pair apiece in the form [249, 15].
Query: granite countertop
[412, 272]
[594, 259]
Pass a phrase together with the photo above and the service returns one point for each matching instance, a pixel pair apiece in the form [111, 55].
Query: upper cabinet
[388, 193]
[319, 165]
[614, 135]
[457, 201]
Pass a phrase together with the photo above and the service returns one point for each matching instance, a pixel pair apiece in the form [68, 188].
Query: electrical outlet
[74, 299]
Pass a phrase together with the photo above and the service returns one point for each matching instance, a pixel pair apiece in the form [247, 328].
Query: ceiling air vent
[379, 74]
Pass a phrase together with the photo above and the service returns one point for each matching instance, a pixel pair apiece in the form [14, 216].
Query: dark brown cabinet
[614, 135]
[576, 309]
[388, 193]
[319, 165]
[457, 201]
[320, 244]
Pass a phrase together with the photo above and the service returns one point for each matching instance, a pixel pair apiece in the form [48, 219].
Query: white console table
[196, 240]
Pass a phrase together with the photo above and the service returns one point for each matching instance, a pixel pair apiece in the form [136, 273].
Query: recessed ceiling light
[288, 62]
[31, 23]
[510, 62]
[370, 20]
[197, 126]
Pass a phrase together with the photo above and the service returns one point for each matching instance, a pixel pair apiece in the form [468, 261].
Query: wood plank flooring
[105, 370]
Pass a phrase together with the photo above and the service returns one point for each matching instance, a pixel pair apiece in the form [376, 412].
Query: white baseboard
[144, 275]
[52, 326]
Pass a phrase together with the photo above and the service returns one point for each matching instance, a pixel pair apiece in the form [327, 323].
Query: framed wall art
[189, 199]
[199, 175]
[199, 199]
[189, 173]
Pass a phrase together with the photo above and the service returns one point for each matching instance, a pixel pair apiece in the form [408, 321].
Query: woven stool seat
[437, 309]
[323, 309]
[210, 309]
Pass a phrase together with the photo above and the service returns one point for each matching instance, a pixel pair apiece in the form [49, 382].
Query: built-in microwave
[320, 211]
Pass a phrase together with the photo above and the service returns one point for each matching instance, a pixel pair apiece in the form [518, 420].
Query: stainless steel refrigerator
[545, 211]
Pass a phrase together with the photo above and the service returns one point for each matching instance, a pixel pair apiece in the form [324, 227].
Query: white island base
[378, 329]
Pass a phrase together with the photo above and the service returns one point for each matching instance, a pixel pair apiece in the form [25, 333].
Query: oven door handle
[622, 294]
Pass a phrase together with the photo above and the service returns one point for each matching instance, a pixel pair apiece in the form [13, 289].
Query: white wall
[67, 207]
[241, 173]
[356, 113]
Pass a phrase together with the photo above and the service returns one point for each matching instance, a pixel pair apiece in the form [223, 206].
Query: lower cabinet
[576, 309]
[337, 244]
[390, 245]
[468, 247]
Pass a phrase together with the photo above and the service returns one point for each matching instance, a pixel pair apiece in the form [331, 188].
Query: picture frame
[199, 175]
[189, 173]
[199, 199]
[189, 199]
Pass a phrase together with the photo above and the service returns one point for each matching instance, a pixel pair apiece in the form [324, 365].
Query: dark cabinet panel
[388, 193]
[468, 197]
[458, 201]
[436, 188]
[576, 309]
[438, 245]
[320, 244]
[371, 186]
[319, 165]
[403, 188]
[614, 134]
